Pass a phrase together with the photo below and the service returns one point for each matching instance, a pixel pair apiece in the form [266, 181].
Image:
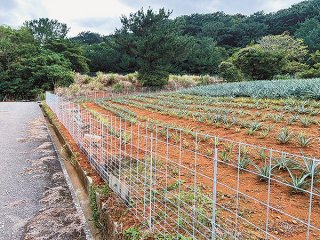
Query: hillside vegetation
[39, 56]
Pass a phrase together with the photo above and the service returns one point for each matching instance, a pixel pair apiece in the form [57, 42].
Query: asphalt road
[35, 201]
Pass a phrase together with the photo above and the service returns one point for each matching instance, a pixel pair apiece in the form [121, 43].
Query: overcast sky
[103, 15]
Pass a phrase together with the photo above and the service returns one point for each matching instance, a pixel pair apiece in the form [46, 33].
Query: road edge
[75, 199]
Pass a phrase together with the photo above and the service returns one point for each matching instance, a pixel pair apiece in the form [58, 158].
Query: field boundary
[181, 200]
[105, 221]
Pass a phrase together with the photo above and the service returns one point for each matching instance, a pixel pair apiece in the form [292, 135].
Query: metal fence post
[238, 187]
[130, 173]
[73, 120]
[145, 174]
[151, 183]
[214, 192]
[195, 187]
[313, 169]
[179, 173]
[90, 137]
[120, 148]
[166, 188]
[101, 142]
[269, 191]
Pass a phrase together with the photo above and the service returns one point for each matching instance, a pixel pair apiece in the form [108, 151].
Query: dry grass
[184, 81]
[106, 81]
[84, 84]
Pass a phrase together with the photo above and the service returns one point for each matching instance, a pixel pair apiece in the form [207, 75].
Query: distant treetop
[45, 29]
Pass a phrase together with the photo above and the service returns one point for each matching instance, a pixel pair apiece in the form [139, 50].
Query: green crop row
[302, 89]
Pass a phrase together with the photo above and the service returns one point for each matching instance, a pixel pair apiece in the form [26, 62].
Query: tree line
[284, 44]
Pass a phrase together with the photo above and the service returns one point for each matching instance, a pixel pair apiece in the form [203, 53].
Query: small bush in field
[117, 88]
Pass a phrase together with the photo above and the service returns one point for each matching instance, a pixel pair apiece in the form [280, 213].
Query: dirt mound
[55, 223]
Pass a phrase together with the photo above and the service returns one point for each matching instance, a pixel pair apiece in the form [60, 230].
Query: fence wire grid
[96, 95]
[191, 185]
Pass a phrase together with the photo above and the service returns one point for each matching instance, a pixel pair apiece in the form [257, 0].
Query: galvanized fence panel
[194, 185]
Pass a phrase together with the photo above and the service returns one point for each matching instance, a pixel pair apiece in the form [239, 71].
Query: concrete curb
[110, 229]
[72, 191]
[67, 178]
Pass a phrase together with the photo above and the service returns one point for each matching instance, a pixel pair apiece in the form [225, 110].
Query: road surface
[35, 201]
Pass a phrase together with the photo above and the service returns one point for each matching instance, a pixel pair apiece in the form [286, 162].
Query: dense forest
[284, 44]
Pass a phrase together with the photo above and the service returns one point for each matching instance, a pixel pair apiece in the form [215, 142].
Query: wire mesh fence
[191, 185]
[96, 95]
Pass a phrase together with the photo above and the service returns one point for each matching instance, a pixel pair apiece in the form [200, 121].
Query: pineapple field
[205, 161]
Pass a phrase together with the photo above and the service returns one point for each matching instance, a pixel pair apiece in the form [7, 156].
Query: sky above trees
[104, 16]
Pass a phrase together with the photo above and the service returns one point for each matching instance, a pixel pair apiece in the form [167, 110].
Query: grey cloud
[251, 6]
[11, 12]
[8, 5]
[182, 7]
[179, 7]
[245, 6]
[102, 25]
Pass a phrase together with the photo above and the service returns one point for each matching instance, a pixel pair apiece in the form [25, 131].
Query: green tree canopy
[309, 31]
[109, 57]
[41, 72]
[15, 44]
[154, 41]
[290, 18]
[257, 63]
[203, 56]
[230, 72]
[26, 68]
[239, 30]
[272, 55]
[44, 29]
[88, 38]
[314, 70]
[71, 51]
[293, 51]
